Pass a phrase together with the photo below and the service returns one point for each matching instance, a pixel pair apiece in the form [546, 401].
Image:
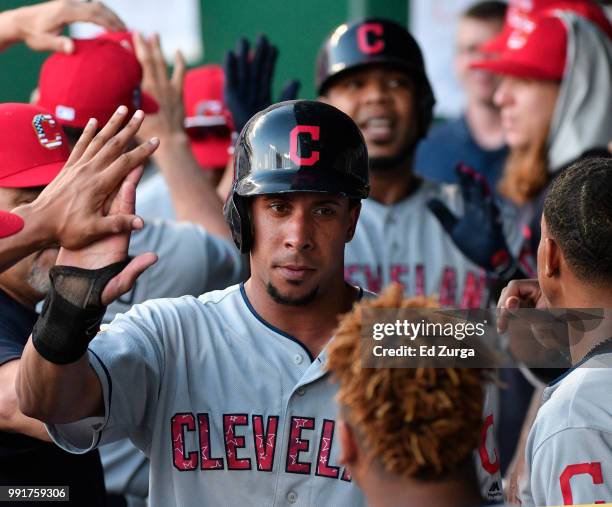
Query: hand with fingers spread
[113, 248]
[74, 205]
[107, 149]
[479, 232]
[40, 26]
[248, 80]
[167, 91]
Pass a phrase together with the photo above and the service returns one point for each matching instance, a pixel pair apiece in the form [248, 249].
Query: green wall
[297, 27]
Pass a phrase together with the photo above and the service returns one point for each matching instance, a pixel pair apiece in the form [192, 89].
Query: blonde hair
[419, 422]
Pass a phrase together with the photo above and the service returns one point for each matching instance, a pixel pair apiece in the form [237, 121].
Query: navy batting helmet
[295, 146]
[381, 42]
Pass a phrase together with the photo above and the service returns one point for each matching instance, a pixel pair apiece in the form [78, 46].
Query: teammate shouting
[374, 71]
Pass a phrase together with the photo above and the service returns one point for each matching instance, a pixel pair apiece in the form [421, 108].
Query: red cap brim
[211, 153]
[516, 68]
[38, 176]
[10, 224]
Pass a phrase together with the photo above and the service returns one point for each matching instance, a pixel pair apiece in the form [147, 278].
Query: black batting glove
[248, 80]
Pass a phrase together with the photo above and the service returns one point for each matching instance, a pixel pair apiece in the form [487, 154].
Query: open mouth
[377, 128]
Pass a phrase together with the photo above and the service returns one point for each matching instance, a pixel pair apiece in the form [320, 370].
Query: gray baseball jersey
[191, 262]
[230, 410]
[405, 243]
[569, 448]
[153, 198]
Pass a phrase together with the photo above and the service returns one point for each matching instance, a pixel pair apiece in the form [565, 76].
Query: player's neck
[312, 324]
[484, 122]
[392, 185]
[408, 492]
[582, 341]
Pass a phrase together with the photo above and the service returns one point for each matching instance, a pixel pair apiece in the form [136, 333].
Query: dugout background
[298, 27]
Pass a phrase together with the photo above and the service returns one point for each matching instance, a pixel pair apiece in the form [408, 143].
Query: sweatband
[72, 312]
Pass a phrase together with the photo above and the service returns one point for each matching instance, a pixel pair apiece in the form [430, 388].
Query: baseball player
[569, 448]
[418, 450]
[409, 232]
[226, 393]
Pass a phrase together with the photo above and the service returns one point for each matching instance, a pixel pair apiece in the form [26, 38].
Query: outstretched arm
[55, 381]
[69, 211]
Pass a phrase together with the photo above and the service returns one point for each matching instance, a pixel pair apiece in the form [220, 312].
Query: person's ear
[552, 257]
[349, 452]
[354, 212]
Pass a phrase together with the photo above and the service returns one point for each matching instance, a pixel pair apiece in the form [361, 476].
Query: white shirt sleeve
[571, 467]
[128, 358]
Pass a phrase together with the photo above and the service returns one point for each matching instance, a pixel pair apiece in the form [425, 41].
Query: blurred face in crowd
[298, 250]
[479, 84]
[380, 100]
[527, 107]
[28, 280]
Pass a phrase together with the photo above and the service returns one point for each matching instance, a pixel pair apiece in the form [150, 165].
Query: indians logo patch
[47, 130]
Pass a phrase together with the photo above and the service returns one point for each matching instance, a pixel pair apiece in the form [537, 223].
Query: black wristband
[64, 330]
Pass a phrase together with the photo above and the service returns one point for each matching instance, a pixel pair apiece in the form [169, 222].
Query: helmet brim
[266, 182]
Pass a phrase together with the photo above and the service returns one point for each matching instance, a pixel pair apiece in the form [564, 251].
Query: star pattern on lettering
[325, 444]
[271, 439]
[178, 444]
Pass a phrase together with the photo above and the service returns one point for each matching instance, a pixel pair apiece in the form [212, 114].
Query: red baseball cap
[92, 82]
[534, 50]
[520, 13]
[10, 224]
[33, 148]
[124, 38]
[207, 120]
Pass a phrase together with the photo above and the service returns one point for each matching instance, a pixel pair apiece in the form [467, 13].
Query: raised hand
[248, 80]
[167, 91]
[74, 206]
[479, 232]
[108, 147]
[40, 26]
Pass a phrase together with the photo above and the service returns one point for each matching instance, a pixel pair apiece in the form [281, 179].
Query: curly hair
[421, 422]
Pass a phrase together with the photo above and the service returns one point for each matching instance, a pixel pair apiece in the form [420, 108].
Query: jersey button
[292, 497]
[300, 391]
[297, 359]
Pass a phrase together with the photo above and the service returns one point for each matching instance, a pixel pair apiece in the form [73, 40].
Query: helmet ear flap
[237, 216]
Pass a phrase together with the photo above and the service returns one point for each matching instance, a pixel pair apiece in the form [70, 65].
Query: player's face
[299, 239]
[380, 100]
[479, 84]
[28, 280]
[527, 107]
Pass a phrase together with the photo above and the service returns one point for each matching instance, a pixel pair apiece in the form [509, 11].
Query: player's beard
[401, 159]
[277, 297]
